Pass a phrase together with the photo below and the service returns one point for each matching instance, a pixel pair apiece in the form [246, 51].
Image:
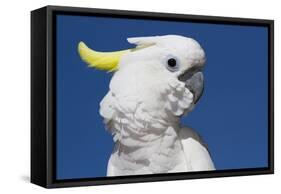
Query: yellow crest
[107, 61]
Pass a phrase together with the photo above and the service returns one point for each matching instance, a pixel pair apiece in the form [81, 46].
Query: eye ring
[172, 64]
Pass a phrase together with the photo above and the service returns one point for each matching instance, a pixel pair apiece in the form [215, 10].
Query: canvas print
[139, 97]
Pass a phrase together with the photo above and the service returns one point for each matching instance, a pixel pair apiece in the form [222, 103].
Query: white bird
[153, 85]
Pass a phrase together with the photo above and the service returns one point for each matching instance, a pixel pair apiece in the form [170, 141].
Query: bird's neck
[148, 140]
[151, 153]
[142, 129]
[144, 137]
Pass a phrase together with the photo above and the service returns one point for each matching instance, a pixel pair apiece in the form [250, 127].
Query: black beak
[194, 81]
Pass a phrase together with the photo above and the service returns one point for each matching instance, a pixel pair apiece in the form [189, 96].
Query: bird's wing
[110, 168]
[195, 150]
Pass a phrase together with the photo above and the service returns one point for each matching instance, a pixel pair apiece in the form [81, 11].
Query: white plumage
[146, 98]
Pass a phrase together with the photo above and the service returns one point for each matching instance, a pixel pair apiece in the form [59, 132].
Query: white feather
[195, 150]
[143, 107]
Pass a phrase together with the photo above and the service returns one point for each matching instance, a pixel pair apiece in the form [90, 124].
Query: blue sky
[231, 116]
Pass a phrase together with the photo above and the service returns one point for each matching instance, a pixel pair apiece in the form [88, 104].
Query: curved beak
[195, 83]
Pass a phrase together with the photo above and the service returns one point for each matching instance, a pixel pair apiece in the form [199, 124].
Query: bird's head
[157, 63]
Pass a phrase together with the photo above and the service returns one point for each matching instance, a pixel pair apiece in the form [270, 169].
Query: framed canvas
[126, 96]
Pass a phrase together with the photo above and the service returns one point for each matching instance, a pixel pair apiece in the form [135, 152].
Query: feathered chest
[161, 155]
[145, 129]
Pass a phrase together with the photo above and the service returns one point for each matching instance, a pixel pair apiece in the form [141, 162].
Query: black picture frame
[43, 101]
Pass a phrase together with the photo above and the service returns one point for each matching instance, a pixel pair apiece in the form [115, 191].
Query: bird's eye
[172, 64]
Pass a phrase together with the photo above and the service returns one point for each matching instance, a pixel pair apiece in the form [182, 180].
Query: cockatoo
[153, 85]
